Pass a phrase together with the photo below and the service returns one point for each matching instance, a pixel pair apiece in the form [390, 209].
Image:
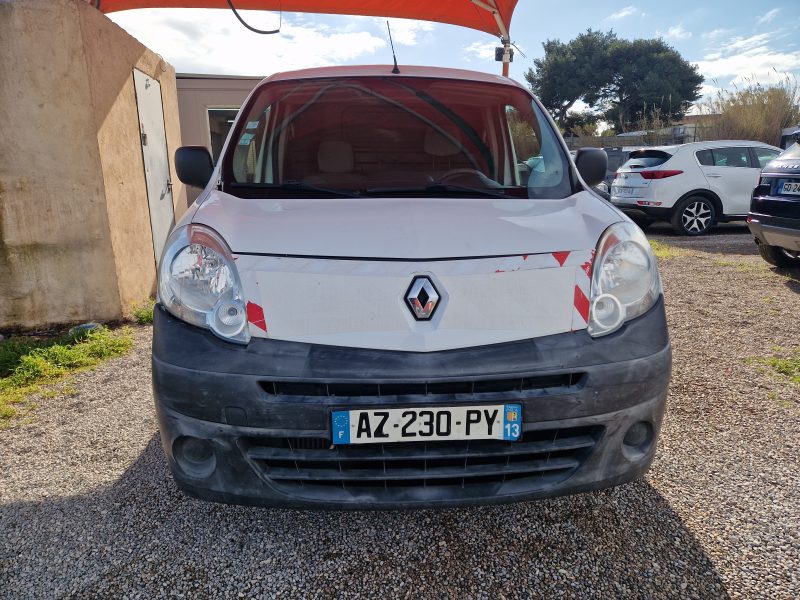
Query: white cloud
[480, 51]
[747, 43]
[768, 16]
[407, 32]
[628, 11]
[715, 34]
[212, 41]
[675, 33]
[740, 59]
[579, 107]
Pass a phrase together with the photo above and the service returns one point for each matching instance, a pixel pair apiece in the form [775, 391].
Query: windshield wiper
[297, 186]
[444, 189]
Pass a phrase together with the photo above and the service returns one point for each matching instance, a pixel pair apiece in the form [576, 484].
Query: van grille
[314, 469]
[353, 390]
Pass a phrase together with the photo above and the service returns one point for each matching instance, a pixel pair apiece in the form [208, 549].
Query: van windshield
[394, 136]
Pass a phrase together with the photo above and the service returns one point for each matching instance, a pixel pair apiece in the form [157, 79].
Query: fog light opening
[194, 456]
[607, 312]
[638, 440]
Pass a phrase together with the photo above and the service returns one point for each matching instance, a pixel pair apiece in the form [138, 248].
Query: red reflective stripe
[582, 303]
[255, 314]
[561, 257]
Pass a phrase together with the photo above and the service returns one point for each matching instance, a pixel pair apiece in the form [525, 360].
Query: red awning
[475, 14]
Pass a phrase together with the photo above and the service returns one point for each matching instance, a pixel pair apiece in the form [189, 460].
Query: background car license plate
[624, 192]
[494, 422]
[791, 187]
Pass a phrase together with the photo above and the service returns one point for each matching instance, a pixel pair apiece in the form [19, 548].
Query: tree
[650, 81]
[580, 124]
[568, 72]
[624, 82]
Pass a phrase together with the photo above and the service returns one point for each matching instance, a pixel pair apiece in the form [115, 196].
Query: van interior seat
[437, 144]
[335, 164]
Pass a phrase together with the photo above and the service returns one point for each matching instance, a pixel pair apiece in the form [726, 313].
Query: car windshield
[394, 136]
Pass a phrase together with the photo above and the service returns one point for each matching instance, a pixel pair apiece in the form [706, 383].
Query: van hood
[406, 228]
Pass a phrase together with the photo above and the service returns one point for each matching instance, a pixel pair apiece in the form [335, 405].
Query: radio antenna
[395, 70]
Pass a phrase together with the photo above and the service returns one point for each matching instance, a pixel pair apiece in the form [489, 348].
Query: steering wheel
[467, 177]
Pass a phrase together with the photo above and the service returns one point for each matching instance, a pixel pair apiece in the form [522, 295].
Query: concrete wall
[197, 94]
[75, 240]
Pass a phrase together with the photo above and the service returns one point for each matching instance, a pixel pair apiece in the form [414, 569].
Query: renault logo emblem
[422, 298]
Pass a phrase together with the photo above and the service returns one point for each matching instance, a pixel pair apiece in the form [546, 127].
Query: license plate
[624, 192]
[790, 187]
[381, 426]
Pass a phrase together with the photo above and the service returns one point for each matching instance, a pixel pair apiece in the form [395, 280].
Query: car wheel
[779, 257]
[694, 216]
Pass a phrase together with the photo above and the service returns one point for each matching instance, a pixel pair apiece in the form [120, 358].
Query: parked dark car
[774, 217]
[616, 158]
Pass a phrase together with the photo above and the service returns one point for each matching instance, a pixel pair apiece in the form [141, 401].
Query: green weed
[143, 313]
[782, 363]
[28, 363]
[664, 251]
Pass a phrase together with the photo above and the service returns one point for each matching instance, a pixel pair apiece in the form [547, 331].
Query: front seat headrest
[335, 157]
[437, 144]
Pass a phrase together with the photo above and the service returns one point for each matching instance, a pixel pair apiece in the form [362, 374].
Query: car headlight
[198, 283]
[625, 281]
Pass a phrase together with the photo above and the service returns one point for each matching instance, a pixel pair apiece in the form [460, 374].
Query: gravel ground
[88, 509]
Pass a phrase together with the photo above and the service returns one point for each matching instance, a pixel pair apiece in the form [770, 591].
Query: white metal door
[156, 158]
[732, 178]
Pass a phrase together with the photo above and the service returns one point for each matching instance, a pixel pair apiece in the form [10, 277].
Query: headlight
[625, 281]
[198, 283]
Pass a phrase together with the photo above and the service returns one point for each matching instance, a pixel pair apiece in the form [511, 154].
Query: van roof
[386, 71]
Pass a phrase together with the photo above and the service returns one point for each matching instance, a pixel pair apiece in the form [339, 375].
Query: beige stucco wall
[75, 240]
[116, 119]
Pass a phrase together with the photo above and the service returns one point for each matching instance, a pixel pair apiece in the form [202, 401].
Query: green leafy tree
[650, 81]
[568, 72]
[580, 124]
[624, 82]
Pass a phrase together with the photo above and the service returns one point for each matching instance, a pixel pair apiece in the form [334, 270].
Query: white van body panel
[406, 228]
[336, 271]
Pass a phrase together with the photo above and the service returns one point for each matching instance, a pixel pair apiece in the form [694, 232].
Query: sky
[730, 44]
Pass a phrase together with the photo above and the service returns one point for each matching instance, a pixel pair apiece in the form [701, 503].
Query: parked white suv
[373, 304]
[693, 186]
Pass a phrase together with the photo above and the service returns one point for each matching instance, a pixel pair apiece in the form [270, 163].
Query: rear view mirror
[592, 164]
[193, 165]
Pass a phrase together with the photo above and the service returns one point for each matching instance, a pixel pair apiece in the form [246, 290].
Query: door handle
[713, 175]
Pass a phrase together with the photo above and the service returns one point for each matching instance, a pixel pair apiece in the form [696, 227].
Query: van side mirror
[592, 164]
[193, 165]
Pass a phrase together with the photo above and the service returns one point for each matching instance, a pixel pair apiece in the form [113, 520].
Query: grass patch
[664, 251]
[28, 363]
[143, 313]
[783, 363]
[744, 267]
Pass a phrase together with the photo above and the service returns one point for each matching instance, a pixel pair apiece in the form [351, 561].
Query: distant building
[208, 105]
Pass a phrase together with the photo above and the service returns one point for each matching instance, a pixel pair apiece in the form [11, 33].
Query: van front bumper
[251, 424]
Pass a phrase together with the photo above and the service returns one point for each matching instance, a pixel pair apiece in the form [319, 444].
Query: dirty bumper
[252, 425]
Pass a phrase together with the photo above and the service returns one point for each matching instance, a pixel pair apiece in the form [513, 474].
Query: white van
[397, 290]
